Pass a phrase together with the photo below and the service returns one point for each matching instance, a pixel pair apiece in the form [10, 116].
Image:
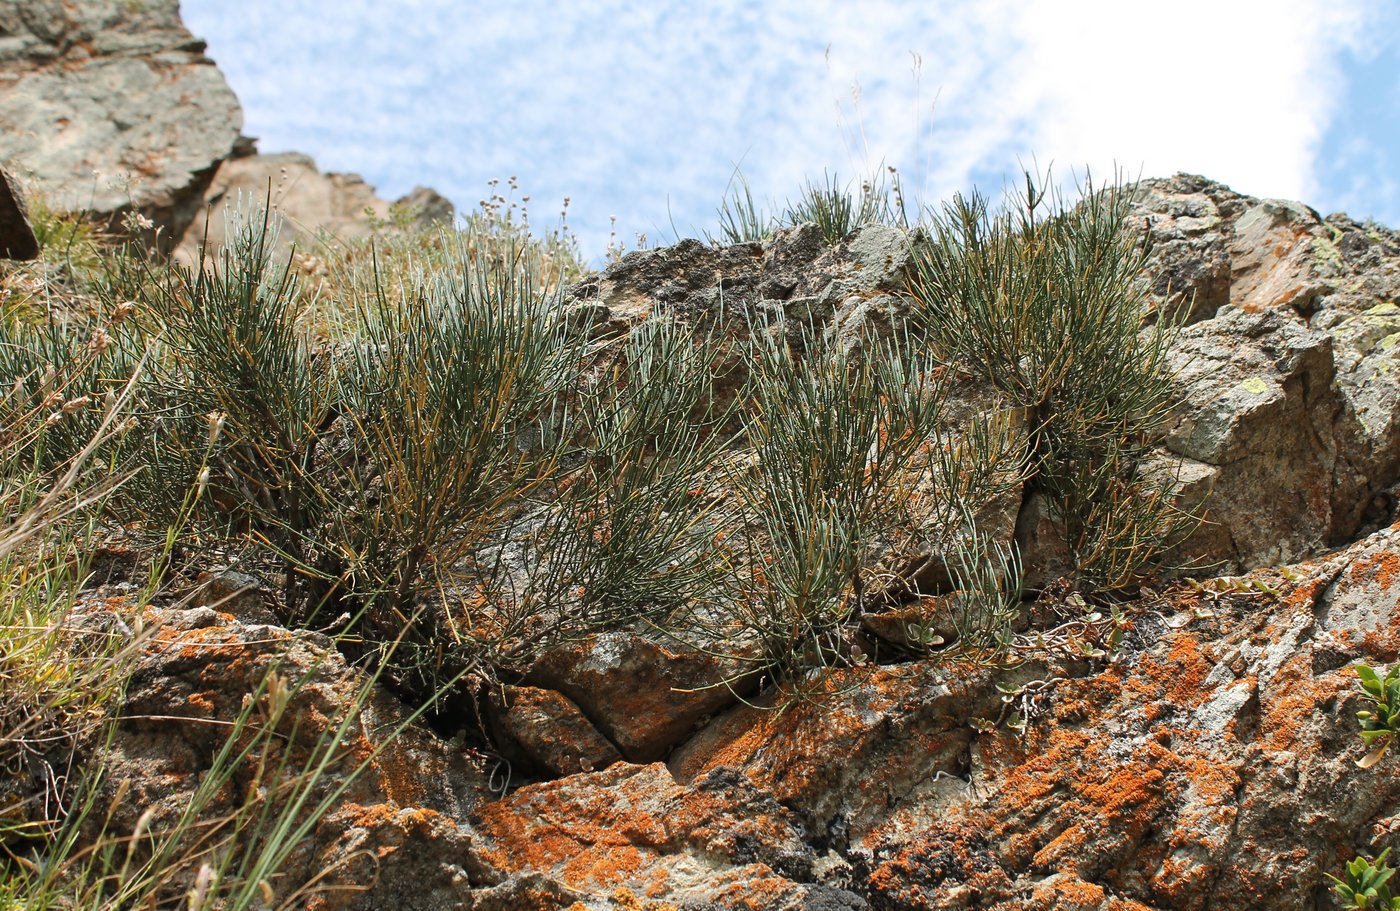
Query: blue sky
[641, 110]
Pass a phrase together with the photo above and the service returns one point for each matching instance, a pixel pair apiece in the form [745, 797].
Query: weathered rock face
[17, 239]
[108, 106]
[1289, 372]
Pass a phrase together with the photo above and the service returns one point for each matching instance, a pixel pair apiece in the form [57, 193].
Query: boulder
[1288, 375]
[549, 732]
[645, 696]
[108, 106]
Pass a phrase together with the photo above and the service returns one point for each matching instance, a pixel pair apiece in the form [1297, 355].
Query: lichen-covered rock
[549, 731]
[108, 106]
[391, 837]
[644, 695]
[718, 843]
[1287, 432]
[1210, 764]
[1190, 271]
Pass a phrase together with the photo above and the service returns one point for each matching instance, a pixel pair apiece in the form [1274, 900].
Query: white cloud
[629, 107]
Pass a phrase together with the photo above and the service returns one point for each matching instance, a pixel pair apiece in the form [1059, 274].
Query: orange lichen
[1068, 894]
[624, 899]
[1295, 697]
[1382, 568]
[202, 702]
[397, 775]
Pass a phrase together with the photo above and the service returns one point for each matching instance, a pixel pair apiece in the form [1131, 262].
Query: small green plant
[1364, 887]
[741, 220]
[1381, 721]
[837, 211]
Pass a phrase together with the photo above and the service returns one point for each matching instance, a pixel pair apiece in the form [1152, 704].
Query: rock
[1287, 432]
[17, 239]
[644, 696]
[304, 201]
[1290, 392]
[1258, 405]
[1209, 764]
[235, 593]
[718, 843]
[427, 207]
[108, 106]
[1190, 267]
[390, 838]
[308, 206]
[870, 740]
[1272, 259]
[550, 731]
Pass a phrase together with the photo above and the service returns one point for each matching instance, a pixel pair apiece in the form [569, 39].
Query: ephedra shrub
[1044, 302]
[836, 441]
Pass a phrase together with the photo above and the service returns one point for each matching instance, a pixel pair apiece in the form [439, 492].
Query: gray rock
[427, 207]
[1258, 405]
[1289, 369]
[307, 206]
[1288, 427]
[108, 106]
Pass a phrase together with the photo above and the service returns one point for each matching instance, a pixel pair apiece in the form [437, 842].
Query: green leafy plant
[1364, 887]
[1381, 721]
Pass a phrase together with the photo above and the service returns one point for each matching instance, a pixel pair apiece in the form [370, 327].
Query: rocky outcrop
[1287, 429]
[1209, 764]
[108, 106]
[306, 204]
[112, 107]
[1289, 421]
[1207, 761]
[17, 239]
